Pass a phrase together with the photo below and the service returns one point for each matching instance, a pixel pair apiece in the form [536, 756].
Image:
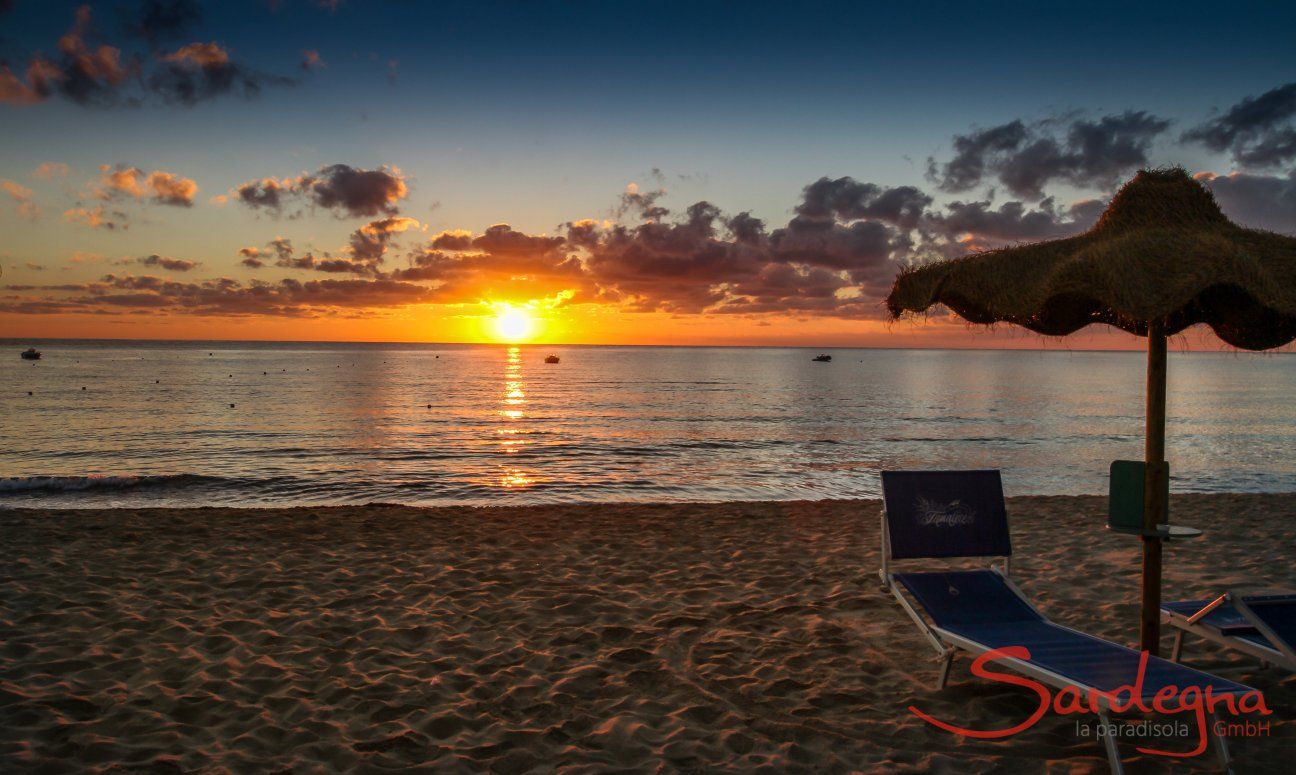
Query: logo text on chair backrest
[932, 513]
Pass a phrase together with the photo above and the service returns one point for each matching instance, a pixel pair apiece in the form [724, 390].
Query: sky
[593, 172]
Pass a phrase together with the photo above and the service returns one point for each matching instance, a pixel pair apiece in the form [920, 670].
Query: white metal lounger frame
[947, 643]
[1280, 653]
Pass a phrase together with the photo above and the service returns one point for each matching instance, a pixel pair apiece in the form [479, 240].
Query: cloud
[222, 296]
[50, 170]
[84, 72]
[1089, 153]
[311, 59]
[24, 205]
[1258, 131]
[97, 218]
[251, 257]
[160, 187]
[849, 199]
[197, 72]
[347, 191]
[369, 242]
[166, 262]
[836, 255]
[1257, 201]
[642, 203]
[454, 239]
[282, 251]
[963, 227]
[92, 73]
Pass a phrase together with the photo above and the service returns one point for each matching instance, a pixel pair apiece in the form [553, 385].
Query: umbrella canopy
[1162, 251]
[1161, 258]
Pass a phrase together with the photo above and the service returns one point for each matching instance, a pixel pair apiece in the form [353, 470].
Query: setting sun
[513, 324]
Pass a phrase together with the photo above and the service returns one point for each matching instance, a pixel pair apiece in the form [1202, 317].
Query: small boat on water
[31, 354]
[551, 359]
[822, 358]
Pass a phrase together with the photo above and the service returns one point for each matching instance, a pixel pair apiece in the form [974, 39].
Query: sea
[150, 423]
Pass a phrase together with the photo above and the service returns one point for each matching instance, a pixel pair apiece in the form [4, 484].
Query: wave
[100, 482]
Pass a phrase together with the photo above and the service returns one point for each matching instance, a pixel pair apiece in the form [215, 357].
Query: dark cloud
[366, 250]
[197, 72]
[166, 262]
[836, 256]
[642, 203]
[1257, 201]
[825, 259]
[502, 264]
[266, 193]
[86, 73]
[91, 72]
[251, 257]
[1026, 158]
[848, 199]
[286, 257]
[369, 242]
[453, 240]
[978, 225]
[346, 190]
[358, 192]
[1258, 131]
[224, 296]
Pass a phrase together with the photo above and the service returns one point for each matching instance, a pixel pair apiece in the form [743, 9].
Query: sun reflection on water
[513, 402]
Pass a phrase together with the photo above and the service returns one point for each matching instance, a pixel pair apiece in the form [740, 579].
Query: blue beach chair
[1263, 626]
[961, 514]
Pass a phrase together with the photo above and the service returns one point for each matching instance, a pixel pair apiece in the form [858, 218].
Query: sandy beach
[739, 636]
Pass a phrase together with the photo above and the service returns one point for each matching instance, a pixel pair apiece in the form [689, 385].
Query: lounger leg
[1177, 649]
[1109, 742]
[945, 668]
[1221, 745]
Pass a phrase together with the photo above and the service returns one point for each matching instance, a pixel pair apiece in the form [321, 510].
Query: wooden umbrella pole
[1154, 506]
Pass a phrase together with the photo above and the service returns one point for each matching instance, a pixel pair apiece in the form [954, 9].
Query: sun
[513, 324]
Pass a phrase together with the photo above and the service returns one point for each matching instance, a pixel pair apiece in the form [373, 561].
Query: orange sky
[584, 324]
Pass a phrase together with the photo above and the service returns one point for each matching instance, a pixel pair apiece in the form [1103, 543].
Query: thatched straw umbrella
[1161, 258]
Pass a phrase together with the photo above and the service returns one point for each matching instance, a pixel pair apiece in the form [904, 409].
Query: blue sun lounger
[961, 514]
[1263, 626]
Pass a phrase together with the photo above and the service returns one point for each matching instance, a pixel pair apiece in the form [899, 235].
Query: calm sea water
[151, 424]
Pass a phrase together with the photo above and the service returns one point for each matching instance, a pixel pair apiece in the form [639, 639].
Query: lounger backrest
[1275, 617]
[945, 514]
